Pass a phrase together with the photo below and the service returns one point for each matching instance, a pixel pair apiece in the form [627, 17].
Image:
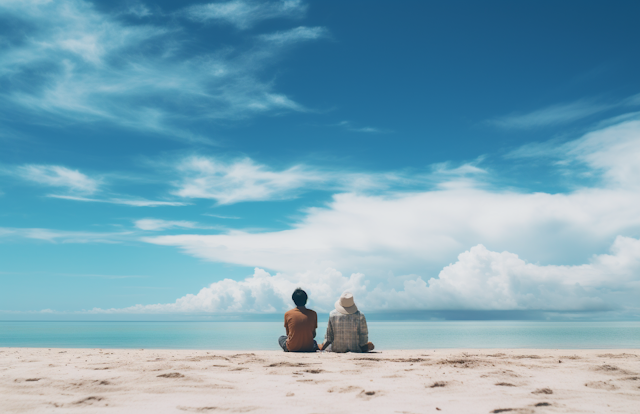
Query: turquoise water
[263, 335]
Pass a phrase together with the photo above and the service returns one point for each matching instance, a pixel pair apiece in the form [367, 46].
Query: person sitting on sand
[347, 329]
[300, 324]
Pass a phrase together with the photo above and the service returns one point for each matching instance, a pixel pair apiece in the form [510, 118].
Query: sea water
[263, 335]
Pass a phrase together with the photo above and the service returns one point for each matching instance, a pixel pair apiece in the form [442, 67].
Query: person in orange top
[300, 324]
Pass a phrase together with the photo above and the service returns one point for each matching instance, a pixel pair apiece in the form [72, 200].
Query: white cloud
[158, 224]
[294, 35]
[412, 232]
[480, 280]
[350, 127]
[552, 115]
[139, 10]
[62, 236]
[74, 63]
[613, 151]
[58, 176]
[135, 202]
[242, 180]
[244, 14]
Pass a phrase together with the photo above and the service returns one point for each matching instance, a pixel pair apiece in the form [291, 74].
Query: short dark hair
[299, 297]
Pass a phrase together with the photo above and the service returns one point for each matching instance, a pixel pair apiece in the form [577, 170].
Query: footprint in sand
[88, 400]
[344, 390]
[171, 375]
[438, 384]
[367, 395]
[287, 364]
[601, 385]
[542, 391]
[505, 384]
[612, 369]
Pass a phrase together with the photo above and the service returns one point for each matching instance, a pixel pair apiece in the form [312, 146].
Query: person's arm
[315, 315]
[328, 337]
[286, 325]
[363, 333]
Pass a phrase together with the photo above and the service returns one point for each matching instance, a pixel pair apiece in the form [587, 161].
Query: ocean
[263, 335]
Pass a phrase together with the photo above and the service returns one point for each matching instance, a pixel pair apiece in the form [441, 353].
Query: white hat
[346, 304]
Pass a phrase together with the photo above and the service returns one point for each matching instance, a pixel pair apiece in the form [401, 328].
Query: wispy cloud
[551, 115]
[563, 113]
[82, 275]
[348, 125]
[58, 176]
[135, 202]
[240, 180]
[158, 224]
[73, 62]
[292, 36]
[62, 236]
[244, 14]
[222, 217]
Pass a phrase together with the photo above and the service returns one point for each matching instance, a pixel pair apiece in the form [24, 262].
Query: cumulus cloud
[73, 62]
[58, 176]
[244, 14]
[413, 231]
[479, 280]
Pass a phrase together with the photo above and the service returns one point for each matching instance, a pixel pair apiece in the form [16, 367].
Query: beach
[44, 380]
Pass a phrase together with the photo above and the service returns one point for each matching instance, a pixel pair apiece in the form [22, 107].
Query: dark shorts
[282, 341]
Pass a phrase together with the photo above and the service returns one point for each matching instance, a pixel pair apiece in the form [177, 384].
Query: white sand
[423, 381]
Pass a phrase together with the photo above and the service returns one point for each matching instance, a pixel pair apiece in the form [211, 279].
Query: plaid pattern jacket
[347, 333]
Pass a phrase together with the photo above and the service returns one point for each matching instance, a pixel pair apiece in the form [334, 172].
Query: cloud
[137, 202]
[551, 115]
[420, 230]
[294, 35]
[58, 176]
[613, 152]
[158, 224]
[562, 113]
[372, 130]
[73, 63]
[245, 14]
[479, 280]
[139, 10]
[61, 236]
[241, 180]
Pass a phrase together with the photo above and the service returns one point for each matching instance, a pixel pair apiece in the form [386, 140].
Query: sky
[180, 159]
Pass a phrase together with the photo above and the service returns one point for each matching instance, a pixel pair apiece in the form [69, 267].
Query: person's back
[300, 324]
[347, 329]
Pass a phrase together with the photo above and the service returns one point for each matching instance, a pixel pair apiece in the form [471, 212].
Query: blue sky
[181, 158]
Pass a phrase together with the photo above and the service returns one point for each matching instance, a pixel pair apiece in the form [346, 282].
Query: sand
[424, 381]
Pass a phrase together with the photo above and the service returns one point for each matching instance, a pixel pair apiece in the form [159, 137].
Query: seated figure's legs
[282, 341]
